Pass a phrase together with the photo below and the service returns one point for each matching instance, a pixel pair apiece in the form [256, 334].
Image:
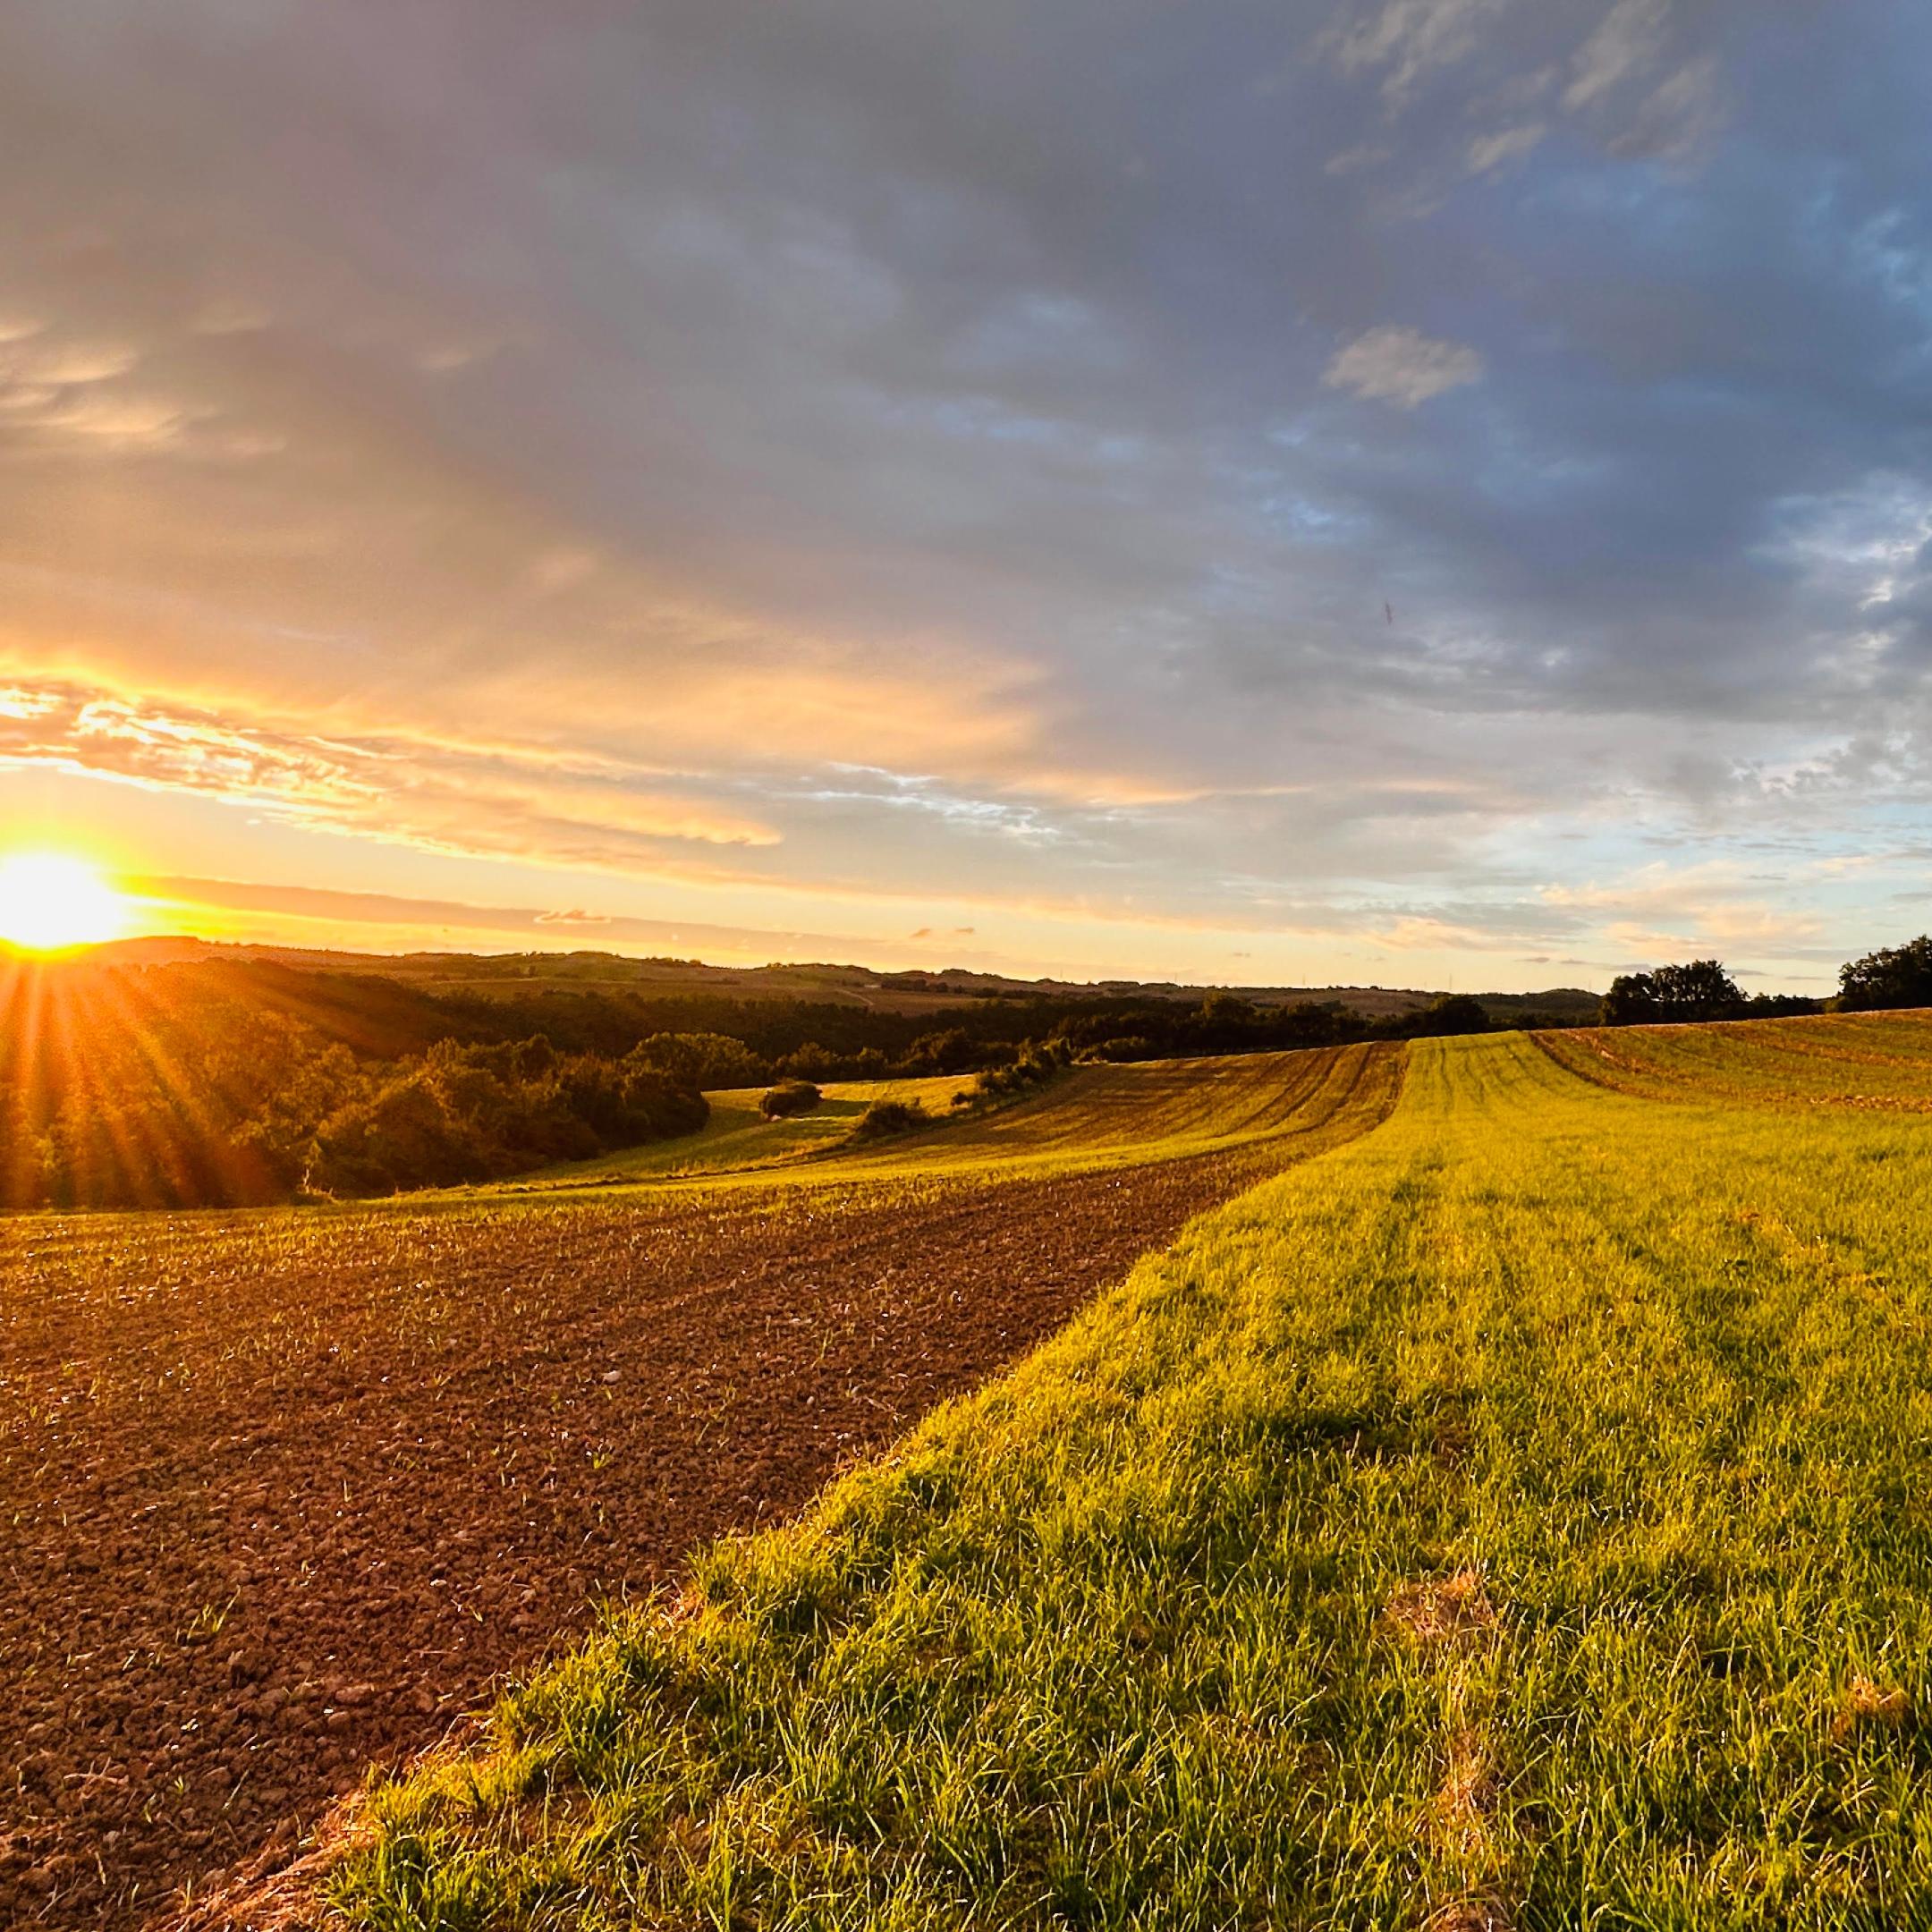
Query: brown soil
[284, 1493]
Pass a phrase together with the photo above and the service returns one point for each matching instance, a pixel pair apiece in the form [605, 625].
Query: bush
[884, 1118]
[789, 1098]
[1034, 1067]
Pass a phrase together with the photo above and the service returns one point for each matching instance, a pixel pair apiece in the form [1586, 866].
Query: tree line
[235, 1082]
[1700, 990]
[121, 1090]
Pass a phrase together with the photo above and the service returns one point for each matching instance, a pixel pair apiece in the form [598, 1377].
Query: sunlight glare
[52, 899]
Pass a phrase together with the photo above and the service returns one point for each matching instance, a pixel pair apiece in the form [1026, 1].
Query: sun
[52, 899]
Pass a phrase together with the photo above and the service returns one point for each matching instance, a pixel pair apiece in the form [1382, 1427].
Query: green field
[1515, 1515]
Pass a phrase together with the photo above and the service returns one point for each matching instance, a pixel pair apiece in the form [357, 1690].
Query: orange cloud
[446, 798]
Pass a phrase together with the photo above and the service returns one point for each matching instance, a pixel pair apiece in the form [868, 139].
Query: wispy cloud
[439, 796]
[1402, 366]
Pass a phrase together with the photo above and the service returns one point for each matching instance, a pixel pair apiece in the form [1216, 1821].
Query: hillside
[517, 975]
[132, 1078]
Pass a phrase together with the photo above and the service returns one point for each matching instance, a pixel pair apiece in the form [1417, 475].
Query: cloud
[1402, 366]
[1488, 152]
[863, 457]
[1627, 42]
[479, 799]
[304, 915]
[1411, 38]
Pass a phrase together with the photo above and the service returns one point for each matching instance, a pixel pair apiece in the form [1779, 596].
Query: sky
[1423, 492]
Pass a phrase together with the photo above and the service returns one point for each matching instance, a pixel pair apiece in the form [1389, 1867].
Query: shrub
[884, 1118]
[789, 1098]
[1034, 1067]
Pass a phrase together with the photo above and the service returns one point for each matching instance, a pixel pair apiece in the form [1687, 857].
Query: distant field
[1840, 1060]
[1513, 1517]
[1090, 1118]
[738, 1138]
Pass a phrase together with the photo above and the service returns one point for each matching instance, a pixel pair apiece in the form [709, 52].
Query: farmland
[1093, 1117]
[1847, 1060]
[1511, 1516]
[286, 1489]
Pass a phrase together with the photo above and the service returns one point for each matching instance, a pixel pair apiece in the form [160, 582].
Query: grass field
[1516, 1517]
[1843, 1060]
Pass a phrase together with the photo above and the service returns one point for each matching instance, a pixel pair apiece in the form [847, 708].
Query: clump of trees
[1697, 991]
[885, 1118]
[1700, 990]
[118, 1089]
[705, 1062]
[460, 1113]
[1894, 976]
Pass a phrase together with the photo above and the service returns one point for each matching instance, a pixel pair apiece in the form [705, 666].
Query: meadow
[1511, 1516]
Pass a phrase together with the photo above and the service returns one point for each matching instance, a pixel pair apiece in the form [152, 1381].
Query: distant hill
[517, 975]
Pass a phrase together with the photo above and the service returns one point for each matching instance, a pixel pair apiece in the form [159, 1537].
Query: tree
[1671, 995]
[1894, 976]
[1632, 1001]
[1452, 1012]
[811, 1061]
[948, 1050]
[703, 1061]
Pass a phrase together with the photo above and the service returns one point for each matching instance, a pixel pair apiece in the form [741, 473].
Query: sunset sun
[52, 899]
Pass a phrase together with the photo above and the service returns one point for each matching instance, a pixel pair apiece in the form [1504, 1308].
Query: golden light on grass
[50, 901]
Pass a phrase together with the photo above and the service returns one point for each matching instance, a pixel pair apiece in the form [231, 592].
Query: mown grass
[1517, 1518]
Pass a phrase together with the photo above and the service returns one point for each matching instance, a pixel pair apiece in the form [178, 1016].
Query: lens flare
[51, 900]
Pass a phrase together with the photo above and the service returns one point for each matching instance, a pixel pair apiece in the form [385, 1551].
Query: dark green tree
[1700, 989]
[1894, 976]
